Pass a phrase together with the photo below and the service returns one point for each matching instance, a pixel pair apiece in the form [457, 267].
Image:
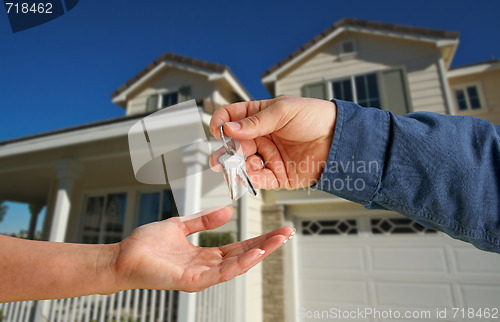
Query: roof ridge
[354, 22]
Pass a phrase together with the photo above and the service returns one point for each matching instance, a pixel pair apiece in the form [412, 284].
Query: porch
[84, 177]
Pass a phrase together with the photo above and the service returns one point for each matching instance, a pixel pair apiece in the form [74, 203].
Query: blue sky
[62, 73]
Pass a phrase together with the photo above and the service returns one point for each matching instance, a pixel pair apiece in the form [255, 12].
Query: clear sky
[62, 73]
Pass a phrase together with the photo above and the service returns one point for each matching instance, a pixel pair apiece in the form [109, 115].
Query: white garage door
[351, 267]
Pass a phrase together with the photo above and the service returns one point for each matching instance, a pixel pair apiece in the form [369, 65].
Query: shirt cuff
[356, 158]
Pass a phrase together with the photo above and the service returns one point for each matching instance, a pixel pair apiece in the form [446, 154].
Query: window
[362, 89]
[329, 227]
[348, 46]
[343, 90]
[388, 226]
[169, 99]
[387, 89]
[166, 99]
[468, 98]
[103, 218]
[156, 206]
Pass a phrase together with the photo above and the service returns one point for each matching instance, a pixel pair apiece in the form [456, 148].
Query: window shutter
[315, 90]
[152, 103]
[184, 93]
[395, 91]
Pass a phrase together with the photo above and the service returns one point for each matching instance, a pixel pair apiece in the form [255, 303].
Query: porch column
[35, 209]
[67, 171]
[195, 157]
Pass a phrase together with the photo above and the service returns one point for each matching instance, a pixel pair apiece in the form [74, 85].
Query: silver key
[234, 167]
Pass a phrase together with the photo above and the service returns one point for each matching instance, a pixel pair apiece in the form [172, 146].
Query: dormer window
[348, 46]
[167, 98]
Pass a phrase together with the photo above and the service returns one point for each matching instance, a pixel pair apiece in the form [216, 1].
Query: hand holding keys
[234, 167]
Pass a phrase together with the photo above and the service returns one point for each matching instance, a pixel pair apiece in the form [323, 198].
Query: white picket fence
[127, 306]
[215, 304]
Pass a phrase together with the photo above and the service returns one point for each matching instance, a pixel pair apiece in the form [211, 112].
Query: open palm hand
[159, 255]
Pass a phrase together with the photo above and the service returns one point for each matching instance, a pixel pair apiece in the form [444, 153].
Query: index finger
[235, 112]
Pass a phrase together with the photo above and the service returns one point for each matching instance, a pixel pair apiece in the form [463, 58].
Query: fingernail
[292, 233]
[284, 242]
[291, 236]
[234, 125]
[262, 252]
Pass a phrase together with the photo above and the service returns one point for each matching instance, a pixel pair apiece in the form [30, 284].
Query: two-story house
[84, 177]
[346, 257]
[343, 257]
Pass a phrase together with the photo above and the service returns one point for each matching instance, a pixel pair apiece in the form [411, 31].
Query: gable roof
[474, 68]
[357, 24]
[213, 70]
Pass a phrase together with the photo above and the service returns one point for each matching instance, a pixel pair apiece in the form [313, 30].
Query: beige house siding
[490, 85]
[169, 79]
[375, 52]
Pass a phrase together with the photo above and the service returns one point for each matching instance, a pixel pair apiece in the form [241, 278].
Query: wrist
[106, 271]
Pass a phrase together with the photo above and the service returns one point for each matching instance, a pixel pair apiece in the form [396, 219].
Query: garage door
[363, 269]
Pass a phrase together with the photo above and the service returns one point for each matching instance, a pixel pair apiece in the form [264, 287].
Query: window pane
[473, 97]
[367, 90]
[348, 46]
[361, 89]
[92, 224]
[462, 104]
[170, 99]
[114, 218]
[168, 209]
[342, 90]
[149, 208]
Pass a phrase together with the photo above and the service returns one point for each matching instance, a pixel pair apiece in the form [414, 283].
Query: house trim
[76, 135]
[273, 75]
[122, 97]
[72, 137]
[210, 70]
[474, 69]
[234, 82]
[446, 87]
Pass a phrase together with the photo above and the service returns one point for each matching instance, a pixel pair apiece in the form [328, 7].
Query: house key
[234, 167]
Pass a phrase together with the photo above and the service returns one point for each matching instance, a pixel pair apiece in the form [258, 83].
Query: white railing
[16, 311]
[127, 306]
[217, 303]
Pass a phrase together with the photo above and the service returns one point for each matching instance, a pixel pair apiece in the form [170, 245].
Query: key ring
[228, 150]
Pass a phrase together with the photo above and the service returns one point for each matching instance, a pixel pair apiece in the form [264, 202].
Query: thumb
[262, 123]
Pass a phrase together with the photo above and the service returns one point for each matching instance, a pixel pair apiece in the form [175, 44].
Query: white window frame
[350, 55]
[353, 85]
[101, 193]
[469, 110]
[162, 92]
[354, 46]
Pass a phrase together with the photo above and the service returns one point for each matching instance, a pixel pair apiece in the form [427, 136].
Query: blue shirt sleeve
[441, 171]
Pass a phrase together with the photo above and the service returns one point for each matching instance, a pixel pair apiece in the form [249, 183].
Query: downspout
[446, 88]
